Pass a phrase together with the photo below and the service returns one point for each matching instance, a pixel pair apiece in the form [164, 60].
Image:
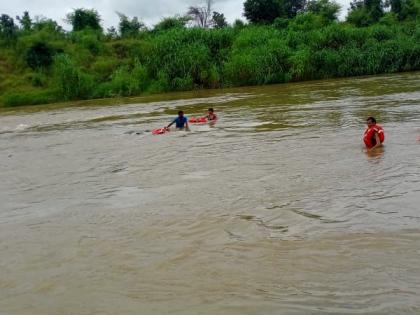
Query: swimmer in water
[211, 115]
[181, 122]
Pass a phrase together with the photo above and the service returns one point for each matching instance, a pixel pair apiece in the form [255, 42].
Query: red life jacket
[198, 120]
[369, 136]
[212, 117]
[160, 131]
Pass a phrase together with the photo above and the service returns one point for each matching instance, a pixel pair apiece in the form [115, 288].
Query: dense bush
[39, 55]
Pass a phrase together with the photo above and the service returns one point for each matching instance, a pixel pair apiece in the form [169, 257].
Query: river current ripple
[276, 209]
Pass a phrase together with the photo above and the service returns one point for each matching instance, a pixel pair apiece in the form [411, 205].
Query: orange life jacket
[369, 136]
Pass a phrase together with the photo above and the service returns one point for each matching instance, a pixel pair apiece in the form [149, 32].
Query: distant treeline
[283, 41]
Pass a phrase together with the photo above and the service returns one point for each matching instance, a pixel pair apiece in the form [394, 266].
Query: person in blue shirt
[180, 122]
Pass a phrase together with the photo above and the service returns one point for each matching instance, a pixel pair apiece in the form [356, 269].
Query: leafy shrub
[126, 81]
[104, 67]
[140, 49]
[160, 84]
[88, 39]
[38, 79]
[307, 22]
[71, 81]
[39, 55]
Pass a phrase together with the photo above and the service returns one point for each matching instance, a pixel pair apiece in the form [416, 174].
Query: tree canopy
[172, 22]
[129, 28]
[25, 21]
[81, 19]
[8, 29]
[266, 11]
[326, 9]
[219, 20]
[262, 11]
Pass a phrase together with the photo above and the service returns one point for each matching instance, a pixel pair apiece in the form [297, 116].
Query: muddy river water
[275, 209]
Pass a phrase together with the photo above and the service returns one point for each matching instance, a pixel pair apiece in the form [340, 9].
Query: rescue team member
[180, 122]
[374, 135]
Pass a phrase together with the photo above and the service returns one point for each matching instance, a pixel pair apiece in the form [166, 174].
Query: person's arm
[187, 128]
[377, 142]
[170, 124]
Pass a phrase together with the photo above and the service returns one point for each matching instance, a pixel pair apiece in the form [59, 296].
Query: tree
[375, 8]
[238, 23]
[25, 21]
[49, 25]
[395, 5]
[404, 9]
[219, 20]
[201, 15]
[359, 16]
[111, 33]
[262, 11]
[327, 9]
[7, 28]
[290, 8]
[172, 22]
[410, 9]
[266, 11]
[365, 12]
[82, 19]
[129, 28]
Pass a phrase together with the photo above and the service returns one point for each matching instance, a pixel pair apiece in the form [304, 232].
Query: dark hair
[180, 112]
[211, 109]
[371, 119]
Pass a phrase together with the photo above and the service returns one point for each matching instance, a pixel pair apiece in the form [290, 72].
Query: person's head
[370, 121]
[180, 113]
[210, 110]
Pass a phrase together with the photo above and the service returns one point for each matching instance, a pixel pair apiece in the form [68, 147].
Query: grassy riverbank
[47, 65]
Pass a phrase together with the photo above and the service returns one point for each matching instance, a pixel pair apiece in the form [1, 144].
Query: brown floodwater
[275, 209]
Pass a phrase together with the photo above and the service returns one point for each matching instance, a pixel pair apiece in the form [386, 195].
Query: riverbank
[86, 65]
[204, 94]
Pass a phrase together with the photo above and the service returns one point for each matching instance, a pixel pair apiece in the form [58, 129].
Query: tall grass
[71, 81]
[35, 97]
[258, 56]
[87, 65]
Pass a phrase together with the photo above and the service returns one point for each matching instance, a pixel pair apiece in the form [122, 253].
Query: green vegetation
[284, 41]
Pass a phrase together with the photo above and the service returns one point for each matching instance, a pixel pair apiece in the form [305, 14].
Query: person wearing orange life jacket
[374, 135]
[211, 115]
